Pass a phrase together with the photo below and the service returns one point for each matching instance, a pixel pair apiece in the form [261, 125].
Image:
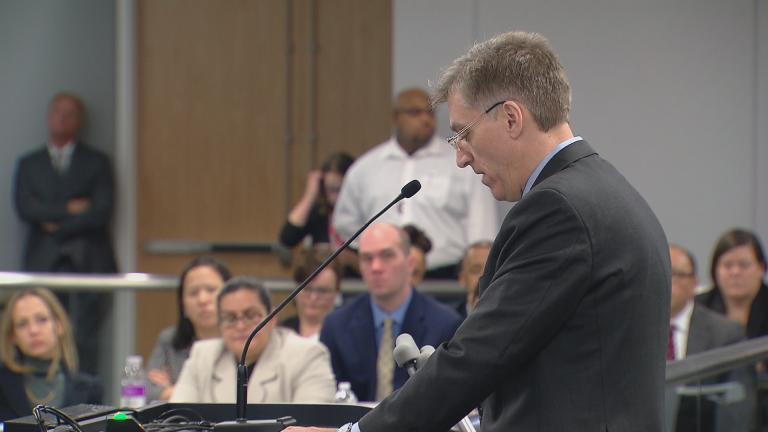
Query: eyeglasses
[318, 291]
[415, 112]
[456, 139]
[682, 275]
[249, 316]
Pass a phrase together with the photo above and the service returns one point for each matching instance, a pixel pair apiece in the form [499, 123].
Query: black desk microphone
[241, 422]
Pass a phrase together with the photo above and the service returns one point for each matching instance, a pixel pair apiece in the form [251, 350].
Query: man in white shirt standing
[453, 207]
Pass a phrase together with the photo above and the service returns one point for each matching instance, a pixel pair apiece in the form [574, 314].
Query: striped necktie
[385, 365]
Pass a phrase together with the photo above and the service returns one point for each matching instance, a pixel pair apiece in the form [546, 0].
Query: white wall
[673, 92]
[665, 89]
[45, 47]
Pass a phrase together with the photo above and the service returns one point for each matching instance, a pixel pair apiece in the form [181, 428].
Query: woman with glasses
[739, 292]
[39, 359]
[282, 367]
[319, 298]
[199, 284]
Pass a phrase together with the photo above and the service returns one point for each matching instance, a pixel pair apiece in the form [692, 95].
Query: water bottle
[344, 393]
[133, 386]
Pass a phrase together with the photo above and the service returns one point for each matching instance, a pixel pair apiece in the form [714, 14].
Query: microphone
[407, 191]
[406, 353]
[410, 189]
[426, 351]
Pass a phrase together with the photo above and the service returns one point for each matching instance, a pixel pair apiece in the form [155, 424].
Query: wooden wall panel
[212, 122]
[354, 73]
[237, 100]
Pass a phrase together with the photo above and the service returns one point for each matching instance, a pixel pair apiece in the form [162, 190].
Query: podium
[93, 418]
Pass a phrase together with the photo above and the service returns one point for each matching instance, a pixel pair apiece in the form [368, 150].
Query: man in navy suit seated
[360, 334]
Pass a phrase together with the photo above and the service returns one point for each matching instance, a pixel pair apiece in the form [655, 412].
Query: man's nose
[463, 159]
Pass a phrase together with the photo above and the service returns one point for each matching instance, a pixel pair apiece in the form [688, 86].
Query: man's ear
[513, 118]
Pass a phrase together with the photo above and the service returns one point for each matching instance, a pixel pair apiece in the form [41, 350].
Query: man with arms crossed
[570, 330]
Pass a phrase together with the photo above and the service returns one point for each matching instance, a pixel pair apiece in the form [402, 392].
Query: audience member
[282, 366]
[472, 266]
[39, 360]
[319, 297]
[63, 192]
[421, 245]
[737, 270]
[694, 329]
[360, 334]
[453, 208]
[312, 214]
[199, 284]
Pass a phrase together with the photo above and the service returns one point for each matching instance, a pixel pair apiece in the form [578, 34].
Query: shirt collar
[543, 163]
[66, 150]
[398, 315]
[436, 145]
[682, 320]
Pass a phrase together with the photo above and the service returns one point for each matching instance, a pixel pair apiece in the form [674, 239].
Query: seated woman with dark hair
[39, 360]
[282, 367]
[311, 216]
[739, 293]
[317, 299]
[199, 284]
[421, 245]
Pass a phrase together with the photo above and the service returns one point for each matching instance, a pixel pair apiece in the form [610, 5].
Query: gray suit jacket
[41, 195]
[570, 330]
[709, 330]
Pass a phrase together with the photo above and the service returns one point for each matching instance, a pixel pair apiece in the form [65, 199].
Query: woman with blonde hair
[38, 356]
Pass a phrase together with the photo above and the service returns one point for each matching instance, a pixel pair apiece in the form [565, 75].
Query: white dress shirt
[453, 208]
[681, 324]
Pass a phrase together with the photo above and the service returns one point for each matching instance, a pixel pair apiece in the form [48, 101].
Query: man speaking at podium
[570, 330]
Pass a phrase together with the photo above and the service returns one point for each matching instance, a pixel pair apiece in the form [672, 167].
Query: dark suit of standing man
[570, 330]
[64, 193]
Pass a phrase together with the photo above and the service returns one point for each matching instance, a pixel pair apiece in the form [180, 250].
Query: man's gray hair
[512, 66]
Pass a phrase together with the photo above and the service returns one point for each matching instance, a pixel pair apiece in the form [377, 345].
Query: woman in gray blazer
[199, 284]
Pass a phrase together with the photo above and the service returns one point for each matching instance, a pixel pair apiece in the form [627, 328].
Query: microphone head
[410, 189]
[426, 351]
[405, 350]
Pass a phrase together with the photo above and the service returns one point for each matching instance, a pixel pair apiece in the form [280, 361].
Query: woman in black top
[39, 360]
[312, 214]
[739, 293]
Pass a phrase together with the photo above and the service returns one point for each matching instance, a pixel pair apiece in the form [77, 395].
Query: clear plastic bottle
[133, 386]
[344, 393]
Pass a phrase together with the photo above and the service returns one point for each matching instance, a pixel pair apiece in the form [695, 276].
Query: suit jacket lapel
[563, 158]
[414, 323]
[363, 343]
[223, 377]
[266, 371]
[698, 334]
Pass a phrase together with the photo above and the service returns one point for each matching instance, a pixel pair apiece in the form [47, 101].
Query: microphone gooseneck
[407, 191]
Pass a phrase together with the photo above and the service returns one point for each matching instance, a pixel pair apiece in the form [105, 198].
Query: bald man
[453, 208]
[354, 332]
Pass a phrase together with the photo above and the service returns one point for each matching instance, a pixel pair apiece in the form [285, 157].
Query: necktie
[57, 157]
[385, 364]
[671, 343]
